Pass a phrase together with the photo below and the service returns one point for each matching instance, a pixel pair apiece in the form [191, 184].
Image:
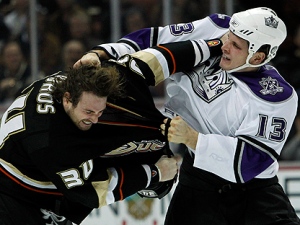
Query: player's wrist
[94, 52]
[192, 139]
[153, 173]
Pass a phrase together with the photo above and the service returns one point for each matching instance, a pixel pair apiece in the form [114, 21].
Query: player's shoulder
[220, 20]
[267, 84]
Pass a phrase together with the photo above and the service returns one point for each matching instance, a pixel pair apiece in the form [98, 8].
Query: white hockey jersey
[243, 119]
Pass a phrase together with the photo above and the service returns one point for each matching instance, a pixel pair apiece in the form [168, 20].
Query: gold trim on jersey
[102, 187]
[153, 63]
[12, 170]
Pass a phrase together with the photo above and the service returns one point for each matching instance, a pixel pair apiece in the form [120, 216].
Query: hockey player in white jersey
[233, 113]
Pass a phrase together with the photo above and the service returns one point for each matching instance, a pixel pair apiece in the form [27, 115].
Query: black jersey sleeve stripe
[180, 54]
[236, 161]
[172, 58]
[130, 43]
[154, 36]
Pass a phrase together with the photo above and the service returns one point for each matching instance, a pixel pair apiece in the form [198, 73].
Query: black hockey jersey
[45, 159]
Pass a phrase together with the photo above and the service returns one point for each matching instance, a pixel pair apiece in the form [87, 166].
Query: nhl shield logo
[138, 207]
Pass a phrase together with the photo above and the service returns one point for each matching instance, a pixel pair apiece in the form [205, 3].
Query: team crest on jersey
[209, 81]
[270, 86]
[136, 147]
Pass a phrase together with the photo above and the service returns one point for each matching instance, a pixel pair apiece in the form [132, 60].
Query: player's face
[235, 52]
[89, 108]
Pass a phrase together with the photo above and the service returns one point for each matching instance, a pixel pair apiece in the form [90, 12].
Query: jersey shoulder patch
[221, 20]
[267, 84]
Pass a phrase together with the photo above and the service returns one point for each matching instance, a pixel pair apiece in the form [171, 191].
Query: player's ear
[66, 98]
[257, 58]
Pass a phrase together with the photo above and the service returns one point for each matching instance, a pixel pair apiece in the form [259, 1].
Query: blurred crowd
[66, 29]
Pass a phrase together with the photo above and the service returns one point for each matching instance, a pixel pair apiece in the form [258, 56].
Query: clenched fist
[168, 168]
[180, 132]
[92, 57]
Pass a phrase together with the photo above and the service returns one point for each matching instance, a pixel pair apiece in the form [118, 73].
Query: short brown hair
[101, 81]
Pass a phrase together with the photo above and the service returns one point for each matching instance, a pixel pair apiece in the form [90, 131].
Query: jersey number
[279, 125]
[183, 28]
[72, 178]
[15, 123]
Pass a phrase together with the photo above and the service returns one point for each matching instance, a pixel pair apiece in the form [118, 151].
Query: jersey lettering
[136, 147]
[13, 124]
[45, 99]
[182, 28]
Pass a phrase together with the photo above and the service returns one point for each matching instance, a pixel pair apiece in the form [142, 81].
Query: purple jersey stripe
[220, 20]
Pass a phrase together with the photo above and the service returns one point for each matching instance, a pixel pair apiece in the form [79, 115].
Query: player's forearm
[126, 181]
[191, 139]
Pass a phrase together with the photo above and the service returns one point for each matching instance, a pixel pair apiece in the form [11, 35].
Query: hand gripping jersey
[243, 119]
[47, 161]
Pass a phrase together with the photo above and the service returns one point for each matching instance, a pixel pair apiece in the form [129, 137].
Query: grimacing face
[235, 53]
[89, 108]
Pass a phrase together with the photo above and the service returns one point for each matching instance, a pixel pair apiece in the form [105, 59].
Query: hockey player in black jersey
[57, 164]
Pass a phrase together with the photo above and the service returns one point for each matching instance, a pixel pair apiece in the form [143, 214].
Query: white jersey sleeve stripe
[202, 52]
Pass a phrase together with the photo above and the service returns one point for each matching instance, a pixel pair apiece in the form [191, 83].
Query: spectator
[79, 28]
[72, 51]
[5, 32]
[16, 19]
[99, 28]
[59, 20]
[14, 72]
[134, 19]
[49, 45]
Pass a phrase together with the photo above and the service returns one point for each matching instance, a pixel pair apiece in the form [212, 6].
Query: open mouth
[225, 57]
[87, 122]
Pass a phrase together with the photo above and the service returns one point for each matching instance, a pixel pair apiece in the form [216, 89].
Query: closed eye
[236, 45]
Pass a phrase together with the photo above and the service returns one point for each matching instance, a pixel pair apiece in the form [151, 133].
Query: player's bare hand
[168, 168]
[89, 58]
[180, 132]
